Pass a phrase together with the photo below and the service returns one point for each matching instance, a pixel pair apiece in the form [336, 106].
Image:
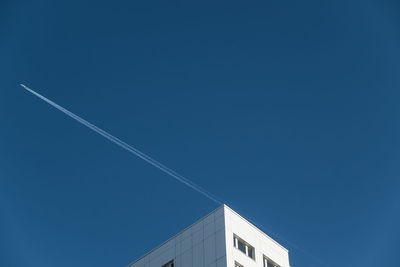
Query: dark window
[169, 264]
[241, 246]
[250, 252]
[269, 263]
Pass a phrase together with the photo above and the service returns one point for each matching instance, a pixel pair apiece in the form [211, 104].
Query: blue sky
[287, 110]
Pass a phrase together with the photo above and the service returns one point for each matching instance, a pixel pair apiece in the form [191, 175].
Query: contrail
[129, 148]
[158, 165]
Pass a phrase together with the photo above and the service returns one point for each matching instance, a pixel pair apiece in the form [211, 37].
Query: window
[243, 246]
[169, 264]
[250, 252]
[269, 263]
[238, 264]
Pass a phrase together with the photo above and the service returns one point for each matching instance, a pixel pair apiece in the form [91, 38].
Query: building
[221, 239]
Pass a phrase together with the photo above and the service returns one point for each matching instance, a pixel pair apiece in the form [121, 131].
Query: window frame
[169, 264]
[267, 260]
[247, 247]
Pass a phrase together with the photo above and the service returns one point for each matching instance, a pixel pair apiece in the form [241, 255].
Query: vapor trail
[129, 148]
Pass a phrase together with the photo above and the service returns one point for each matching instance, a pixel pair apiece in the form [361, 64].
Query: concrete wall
[200, 245]
[262, 244]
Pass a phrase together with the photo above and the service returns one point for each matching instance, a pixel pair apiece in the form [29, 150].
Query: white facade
[221, 239]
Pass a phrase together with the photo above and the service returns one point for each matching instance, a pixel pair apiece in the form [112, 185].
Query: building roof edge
[252, 225]
[180, 232]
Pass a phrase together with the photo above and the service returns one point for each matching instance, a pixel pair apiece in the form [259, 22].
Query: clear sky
[286, 110]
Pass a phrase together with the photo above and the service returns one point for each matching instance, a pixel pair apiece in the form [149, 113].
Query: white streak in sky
[129, 148]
